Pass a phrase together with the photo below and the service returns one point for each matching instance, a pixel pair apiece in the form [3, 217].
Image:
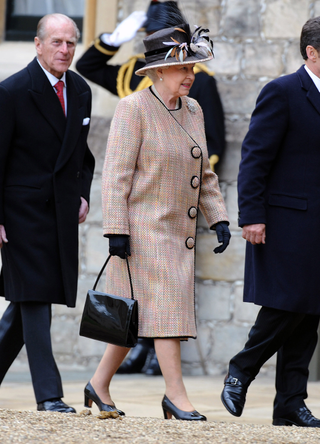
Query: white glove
[126, 30]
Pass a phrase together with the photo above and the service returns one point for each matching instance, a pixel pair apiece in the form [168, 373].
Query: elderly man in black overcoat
[279, 203]
[46, 169]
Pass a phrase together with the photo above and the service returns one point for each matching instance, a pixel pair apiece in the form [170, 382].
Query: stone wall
[254, 42]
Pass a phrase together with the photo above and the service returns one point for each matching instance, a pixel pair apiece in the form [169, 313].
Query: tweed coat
[121, 80]
[45, 167]
[155, 179]
[279, 185]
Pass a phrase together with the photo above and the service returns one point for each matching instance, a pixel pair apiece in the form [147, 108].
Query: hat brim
[172, 61]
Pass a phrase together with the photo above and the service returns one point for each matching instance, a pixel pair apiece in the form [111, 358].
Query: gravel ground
[34, 427]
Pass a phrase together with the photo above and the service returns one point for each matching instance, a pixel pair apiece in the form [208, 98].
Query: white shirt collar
[314, 78]
[52, 79]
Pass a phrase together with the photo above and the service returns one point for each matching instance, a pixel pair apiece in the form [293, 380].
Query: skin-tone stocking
[169, 357]
[109, 364]
[168, 353]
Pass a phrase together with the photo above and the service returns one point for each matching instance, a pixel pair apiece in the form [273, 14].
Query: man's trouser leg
[270, 331]
[29, 323]
[293, 367]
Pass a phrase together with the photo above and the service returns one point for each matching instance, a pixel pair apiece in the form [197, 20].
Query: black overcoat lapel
[76, 112]
[46, 99]
[308, 85]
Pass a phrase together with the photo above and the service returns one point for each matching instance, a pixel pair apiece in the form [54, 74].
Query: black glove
[119, 245]
[223, 235]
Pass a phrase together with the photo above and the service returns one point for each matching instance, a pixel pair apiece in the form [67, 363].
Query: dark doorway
[22, 16]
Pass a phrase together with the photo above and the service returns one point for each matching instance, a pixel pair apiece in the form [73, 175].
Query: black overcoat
[279, 185]
[45, 167]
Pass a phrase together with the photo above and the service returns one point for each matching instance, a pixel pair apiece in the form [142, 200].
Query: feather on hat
[175, 45]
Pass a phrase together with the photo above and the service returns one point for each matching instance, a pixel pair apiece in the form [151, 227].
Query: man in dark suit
[279, 189]
[121, 80]
[46, 169]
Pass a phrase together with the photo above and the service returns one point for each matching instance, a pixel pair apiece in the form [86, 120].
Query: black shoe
[136, 358]
[90, 395]
[233, 396]
[301, 418]
[151, 366]
[168, 407]
[55, 405]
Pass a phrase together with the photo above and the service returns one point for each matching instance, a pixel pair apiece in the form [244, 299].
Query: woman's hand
[119, 245]
[223, 235]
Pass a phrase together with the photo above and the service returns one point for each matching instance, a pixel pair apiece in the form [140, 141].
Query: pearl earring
[161, 79]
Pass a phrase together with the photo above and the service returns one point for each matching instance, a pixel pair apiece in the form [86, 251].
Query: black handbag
[109, 318]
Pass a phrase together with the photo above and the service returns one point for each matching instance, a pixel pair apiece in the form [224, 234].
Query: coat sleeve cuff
[104, 48]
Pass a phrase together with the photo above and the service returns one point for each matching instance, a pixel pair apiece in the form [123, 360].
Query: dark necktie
[59, 87]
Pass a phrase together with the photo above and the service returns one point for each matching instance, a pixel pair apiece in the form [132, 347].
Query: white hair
[42, 25]
[152, 73]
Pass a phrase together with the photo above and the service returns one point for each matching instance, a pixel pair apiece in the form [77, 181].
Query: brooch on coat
[191, 106]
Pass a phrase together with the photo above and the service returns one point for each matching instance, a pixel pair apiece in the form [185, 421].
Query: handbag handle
[102, 270]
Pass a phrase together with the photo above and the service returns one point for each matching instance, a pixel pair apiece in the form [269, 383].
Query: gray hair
[42, 25]
[152, 73]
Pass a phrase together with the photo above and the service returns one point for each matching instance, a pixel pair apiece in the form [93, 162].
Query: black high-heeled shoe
[90, 395]
[168, 407]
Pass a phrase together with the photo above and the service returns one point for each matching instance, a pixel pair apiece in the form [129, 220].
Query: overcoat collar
[308, 85]
[45, 98]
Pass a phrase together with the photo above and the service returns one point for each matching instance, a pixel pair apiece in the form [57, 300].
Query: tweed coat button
[190, 243]
[78, 174]
[195, 181]
[192, 212]
[196, 152]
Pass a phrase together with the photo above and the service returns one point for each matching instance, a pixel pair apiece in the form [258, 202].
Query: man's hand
[126, 30]
[3, 236]
[83, 210]
[255, 233]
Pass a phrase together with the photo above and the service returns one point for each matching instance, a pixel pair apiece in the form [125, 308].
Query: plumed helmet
[161, 14]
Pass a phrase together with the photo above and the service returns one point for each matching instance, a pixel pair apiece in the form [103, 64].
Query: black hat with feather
[175, 44]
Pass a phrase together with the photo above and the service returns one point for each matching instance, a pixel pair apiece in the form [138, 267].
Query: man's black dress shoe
[55, 405]
[233, 396]
[91, 396]
[301, 418]
[170, 408]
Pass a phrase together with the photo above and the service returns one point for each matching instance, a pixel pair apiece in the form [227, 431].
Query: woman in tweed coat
[156, 177]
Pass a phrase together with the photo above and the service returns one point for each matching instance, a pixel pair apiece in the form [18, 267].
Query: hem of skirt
[182, 338]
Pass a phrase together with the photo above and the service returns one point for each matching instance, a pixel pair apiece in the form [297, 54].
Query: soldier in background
[120, 80]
